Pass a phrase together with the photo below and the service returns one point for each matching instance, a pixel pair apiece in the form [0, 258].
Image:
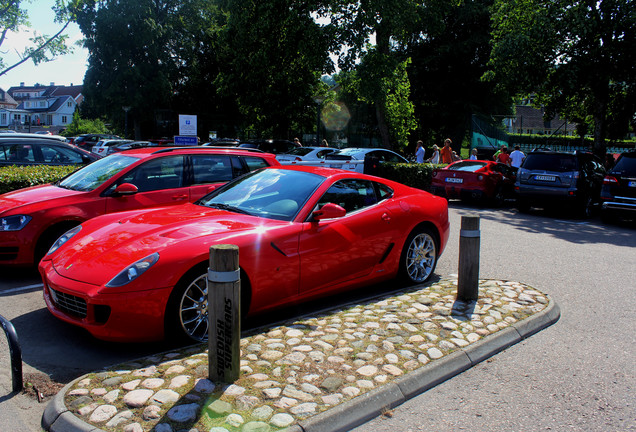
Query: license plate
[545, 178]
[454, 180]
[631, 184]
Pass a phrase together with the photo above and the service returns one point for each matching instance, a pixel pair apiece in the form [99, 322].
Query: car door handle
[179, 197]
[386, 217]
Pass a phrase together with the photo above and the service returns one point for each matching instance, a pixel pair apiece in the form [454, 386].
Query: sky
[64, 70]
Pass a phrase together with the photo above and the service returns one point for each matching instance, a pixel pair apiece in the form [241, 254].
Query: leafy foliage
[273, 54]
[83, 126]
[15, 177]
[578, 57]
[43, 48]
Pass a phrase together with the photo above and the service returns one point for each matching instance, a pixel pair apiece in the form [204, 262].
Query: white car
[305, 154]
[354, 158]
[102, 147]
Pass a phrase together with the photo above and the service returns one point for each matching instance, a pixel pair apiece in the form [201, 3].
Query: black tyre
[498, 197]
[419, 256]
[187, 311]
[585, 207]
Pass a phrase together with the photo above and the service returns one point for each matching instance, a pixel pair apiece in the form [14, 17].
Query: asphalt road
[576, 375]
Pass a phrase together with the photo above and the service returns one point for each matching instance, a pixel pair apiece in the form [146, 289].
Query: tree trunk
[382, 126]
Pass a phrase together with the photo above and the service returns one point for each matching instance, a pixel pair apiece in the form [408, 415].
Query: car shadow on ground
[64, 352]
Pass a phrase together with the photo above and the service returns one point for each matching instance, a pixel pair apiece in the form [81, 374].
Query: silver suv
[548, 178]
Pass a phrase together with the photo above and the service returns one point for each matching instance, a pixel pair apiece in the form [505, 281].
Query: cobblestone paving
[299, 369]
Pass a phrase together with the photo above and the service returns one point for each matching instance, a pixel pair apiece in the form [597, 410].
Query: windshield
[550, 162]
[626, 163]
[94, 175]
[269, 193]
[300, 151]
[467, 166]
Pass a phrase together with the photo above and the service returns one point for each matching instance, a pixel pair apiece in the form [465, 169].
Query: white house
[41, 106]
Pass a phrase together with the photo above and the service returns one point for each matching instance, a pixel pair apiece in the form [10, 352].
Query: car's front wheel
[187, 312]
[419, 256]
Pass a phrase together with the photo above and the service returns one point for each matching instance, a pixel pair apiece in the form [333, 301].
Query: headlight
[14, 223]
[64, 238]
[133, 271]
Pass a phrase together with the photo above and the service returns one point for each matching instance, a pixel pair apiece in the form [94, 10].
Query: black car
[275, 146]
[87, 141]
[618, 195]
[567, 179]
[41, 150]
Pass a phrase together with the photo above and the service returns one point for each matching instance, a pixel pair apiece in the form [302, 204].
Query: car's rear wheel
[419, 256]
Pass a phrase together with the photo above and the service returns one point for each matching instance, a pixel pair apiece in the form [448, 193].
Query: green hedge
[412, 174]
[18, 177]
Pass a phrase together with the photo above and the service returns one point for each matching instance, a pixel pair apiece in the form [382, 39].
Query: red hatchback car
[475, 180]
[32, 219]
[302, 232]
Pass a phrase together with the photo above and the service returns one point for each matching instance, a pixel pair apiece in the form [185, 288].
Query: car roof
[147, 151]
[17, 135]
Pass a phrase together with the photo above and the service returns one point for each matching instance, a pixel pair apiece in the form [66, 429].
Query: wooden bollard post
[468, 278]
[224, 314]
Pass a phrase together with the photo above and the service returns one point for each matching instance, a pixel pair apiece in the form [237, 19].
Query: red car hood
[108, 244]
[33, 196]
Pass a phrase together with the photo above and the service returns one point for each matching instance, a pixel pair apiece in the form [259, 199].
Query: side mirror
[125, 189]
[329, 211]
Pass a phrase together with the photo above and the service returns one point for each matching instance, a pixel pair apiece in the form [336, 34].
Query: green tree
[447, 69]
[577, 56]
[83, 126]
[147, 55]
[43, 48]
[391, 23]
[272, 58]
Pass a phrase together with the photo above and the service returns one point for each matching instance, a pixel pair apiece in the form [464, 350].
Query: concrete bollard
[468, 277]
[224, 314]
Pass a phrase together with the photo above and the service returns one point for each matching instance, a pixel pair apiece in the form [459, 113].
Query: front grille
[69, 304]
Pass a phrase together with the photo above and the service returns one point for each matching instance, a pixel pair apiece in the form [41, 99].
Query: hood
[33, 196]
[108, 244]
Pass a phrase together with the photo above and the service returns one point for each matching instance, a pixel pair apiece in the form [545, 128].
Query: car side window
[55, 155]
[157, 174]
[211, 168]
[350, 194]
[254, 163]
[21, 153]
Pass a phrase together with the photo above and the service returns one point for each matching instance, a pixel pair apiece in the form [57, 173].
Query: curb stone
[58, 418]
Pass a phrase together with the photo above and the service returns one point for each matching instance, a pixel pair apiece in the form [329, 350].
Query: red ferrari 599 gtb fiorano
[302, 232]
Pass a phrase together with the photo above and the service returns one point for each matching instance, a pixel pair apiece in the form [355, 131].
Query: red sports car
[302, 232]
[32, 219]
[475, 180]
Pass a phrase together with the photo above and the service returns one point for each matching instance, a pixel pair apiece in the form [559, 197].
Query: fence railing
[16, 353]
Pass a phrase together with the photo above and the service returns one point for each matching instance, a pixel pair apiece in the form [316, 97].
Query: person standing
[503, 156]
[434, 159]
[419, 152]
[473, 154]
[517, 157]
[447, 152]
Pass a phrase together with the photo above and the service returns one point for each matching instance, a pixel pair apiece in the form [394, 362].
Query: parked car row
[32, 219]
[30, 149]
[576, 181]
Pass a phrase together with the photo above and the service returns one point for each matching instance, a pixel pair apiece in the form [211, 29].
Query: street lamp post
[126, 109]
[319, 100]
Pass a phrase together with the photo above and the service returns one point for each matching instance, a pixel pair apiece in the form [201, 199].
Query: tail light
[610, 180]
[480, 177]
[298, 158]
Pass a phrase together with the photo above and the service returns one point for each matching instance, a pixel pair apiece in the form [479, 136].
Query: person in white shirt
[473, 154]
[435, 158]
[517, 157]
